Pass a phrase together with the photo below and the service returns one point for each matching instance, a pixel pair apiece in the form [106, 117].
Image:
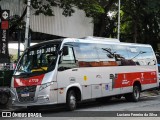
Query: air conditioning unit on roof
[101, 39]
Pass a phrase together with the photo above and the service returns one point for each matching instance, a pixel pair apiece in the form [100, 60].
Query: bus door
[67, 71]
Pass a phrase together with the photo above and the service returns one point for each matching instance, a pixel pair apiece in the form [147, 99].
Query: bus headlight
[45, 85]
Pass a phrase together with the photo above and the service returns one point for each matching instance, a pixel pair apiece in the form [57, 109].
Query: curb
[150, 93]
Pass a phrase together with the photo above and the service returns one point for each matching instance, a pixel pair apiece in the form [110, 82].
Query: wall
[76, 26]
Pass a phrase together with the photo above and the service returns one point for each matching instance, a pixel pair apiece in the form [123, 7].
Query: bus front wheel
[71, 100]
[134, 96]
[4, 98]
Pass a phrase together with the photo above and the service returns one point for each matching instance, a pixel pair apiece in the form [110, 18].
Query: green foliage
[42, 6]
[13, 20]
[92, 8]
[141, 21]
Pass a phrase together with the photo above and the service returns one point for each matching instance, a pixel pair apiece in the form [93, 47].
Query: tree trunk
[102, 27]
[135, 32]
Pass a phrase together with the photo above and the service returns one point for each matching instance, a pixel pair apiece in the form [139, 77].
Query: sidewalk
[150, 93]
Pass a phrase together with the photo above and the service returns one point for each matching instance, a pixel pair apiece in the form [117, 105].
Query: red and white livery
[71, 70]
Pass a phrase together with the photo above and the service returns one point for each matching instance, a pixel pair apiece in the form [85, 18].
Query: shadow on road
[83, 105]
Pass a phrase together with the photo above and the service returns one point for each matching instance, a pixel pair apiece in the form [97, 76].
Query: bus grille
[30, 90]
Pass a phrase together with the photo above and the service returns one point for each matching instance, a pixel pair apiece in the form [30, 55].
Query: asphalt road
[93, 110]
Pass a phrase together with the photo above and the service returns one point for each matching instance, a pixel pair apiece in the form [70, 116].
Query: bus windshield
[37, 60]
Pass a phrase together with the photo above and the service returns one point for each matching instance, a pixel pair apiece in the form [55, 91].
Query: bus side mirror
[65, 50]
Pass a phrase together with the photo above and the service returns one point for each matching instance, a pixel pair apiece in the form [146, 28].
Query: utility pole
[19, 32]
[119, 7]
[27, 43]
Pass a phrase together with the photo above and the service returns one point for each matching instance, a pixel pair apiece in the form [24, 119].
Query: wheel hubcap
[136, 93]
[72, 101]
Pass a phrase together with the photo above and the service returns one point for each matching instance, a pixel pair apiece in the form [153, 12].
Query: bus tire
[134, 96]
[4, 98]
[71, 100]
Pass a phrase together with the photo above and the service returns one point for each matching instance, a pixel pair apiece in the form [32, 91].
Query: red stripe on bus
[36, 80]
[128, 79]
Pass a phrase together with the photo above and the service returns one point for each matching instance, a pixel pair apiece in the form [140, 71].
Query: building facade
[77, 25]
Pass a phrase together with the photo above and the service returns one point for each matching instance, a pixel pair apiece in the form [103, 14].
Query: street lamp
[27, 44]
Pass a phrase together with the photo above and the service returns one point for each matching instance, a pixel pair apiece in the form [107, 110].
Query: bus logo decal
[72, 79]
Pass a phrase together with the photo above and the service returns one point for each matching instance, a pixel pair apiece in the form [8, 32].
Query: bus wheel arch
[137, 83]
[134, 96]
[73, 96]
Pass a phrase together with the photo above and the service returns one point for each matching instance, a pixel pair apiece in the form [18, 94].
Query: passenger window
[67, 61]
[139, 55]
[87, 55]
[88, 52]
[134, 55]
[106, 55]
[121, 55]
[148, 56]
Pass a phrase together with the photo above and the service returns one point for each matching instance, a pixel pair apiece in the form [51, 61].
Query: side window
[67, 61]
[141, 55]
[86, 55]
[148, 56]
[121, 55]
[134, 55]
[106, 55]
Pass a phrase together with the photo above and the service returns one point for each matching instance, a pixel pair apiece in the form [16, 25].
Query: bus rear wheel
[134, 96]
[71, 100]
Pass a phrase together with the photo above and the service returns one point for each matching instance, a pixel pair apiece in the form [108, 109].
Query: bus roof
[91, 39]
[102, 40]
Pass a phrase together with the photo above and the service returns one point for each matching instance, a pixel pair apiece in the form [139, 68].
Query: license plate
[25, 95]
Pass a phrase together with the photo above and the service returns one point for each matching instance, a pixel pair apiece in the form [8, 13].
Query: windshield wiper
[39, 67]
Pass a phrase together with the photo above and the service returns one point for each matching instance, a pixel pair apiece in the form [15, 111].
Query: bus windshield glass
[38, 60]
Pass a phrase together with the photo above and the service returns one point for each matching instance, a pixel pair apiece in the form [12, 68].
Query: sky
[15, 46]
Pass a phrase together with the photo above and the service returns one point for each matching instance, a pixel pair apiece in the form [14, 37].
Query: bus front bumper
[18, 100]
[42, 100]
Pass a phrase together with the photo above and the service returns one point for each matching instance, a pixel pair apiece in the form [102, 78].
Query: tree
[141, 21]
[91, 7]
